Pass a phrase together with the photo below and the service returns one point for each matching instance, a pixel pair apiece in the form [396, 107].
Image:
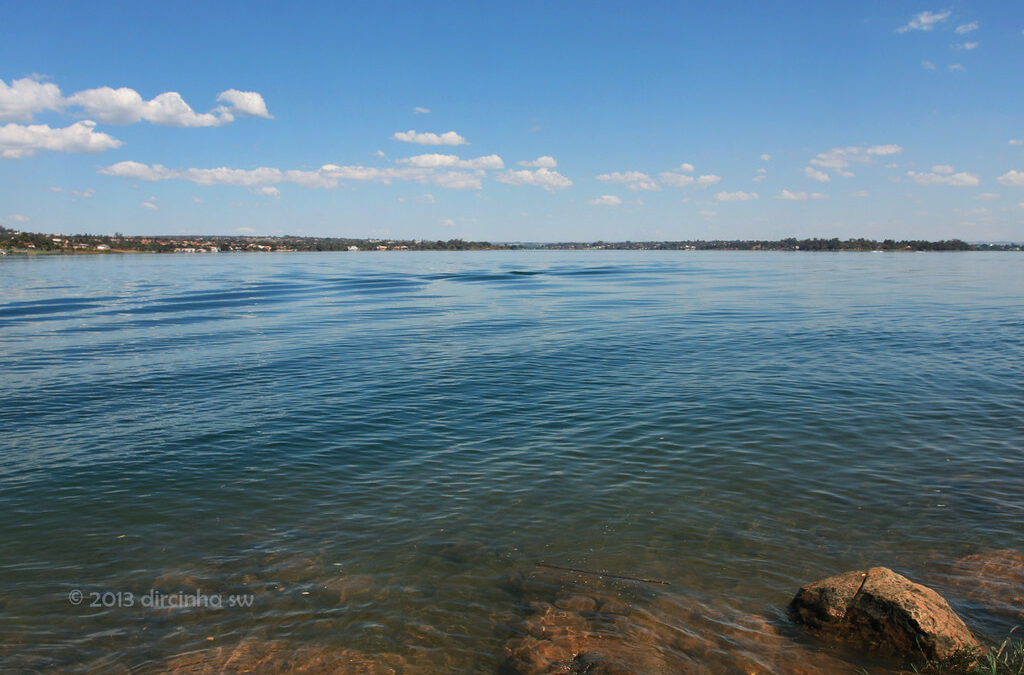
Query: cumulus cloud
[814, 174]
[150, 204]
[434, 160]
[17, 141]
[738, 196]
[765, 157]
[1014, 178]
[268, 191]
[420, 110]
[84, 194]
[427, 138]
[945, 178]
[925, 21]
[890, 149]
[708, 179]
[327, 176]
[245, 103]
[126, 106]
[928, 65]
[761, 175]
[942, 168]
[675, 179]
[840, 159]
[956, 68]
[605, 200]
[859, 194]
[800, 196]
[544, 162]
[20, 100]
[634, 180]
[545, 178]
[968, 46]
[25, 97]
[967, 27]
[687, 167]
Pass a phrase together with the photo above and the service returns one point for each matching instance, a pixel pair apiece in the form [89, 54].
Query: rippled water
[373, 445]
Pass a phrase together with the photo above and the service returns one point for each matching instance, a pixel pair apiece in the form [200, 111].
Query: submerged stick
[603, 574]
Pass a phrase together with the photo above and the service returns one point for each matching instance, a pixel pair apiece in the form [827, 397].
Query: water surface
[372, 445]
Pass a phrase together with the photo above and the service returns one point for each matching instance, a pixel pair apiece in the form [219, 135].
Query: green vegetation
[1008, 659]
[29, 242]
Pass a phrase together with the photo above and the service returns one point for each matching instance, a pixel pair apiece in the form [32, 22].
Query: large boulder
[883, 610]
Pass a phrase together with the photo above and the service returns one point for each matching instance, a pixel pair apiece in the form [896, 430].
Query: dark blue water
[371, 445]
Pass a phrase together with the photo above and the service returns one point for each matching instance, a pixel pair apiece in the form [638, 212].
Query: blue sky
[532, 121]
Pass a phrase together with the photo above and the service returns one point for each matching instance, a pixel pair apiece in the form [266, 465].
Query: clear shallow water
[372, 444]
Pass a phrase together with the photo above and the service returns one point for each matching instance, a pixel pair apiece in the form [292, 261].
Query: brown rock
[883, 610]
[992, 579]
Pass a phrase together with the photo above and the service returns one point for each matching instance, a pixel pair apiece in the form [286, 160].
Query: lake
[367, 454]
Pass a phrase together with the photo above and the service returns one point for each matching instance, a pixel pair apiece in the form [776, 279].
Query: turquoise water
[371, 445]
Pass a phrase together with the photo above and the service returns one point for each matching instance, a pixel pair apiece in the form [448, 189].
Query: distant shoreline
[28, 243]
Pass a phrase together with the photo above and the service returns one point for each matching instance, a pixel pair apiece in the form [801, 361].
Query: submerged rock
[581, 625]
[883, 610]
[992, 582]
[269, 656]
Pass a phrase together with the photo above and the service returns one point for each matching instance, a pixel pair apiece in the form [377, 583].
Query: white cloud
[268, 191]
[1017, 141]
[890, 149]
[25, 97]
[326, 176]
[447, 138]
[151, 204]
[955, 180]
[814, 174]
[17, 141]
[988, 196]
[761, 175]
[968, 46]
[942, 168]
[420, 110]
[246, 230]
[605, 200]
[545, 178]
[675, 179]
[708, 213]
[800, 196]
[859, 194]
[708, 179]
[738, 196]
[245, 103]
[126, 106]
[544, 162]
[1014, 178]
[84, 194]
[839, 159]
[687, 167]
[634, 180]
[928, 65]
[434, 160]
[454, 180]
[925, 21]
[967, 27]
[765, 157]
[956, 67]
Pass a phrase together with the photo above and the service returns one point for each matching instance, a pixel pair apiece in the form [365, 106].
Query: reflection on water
[378, 448]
